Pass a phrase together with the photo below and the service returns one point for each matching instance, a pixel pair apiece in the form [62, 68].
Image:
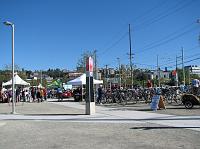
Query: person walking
[59, 94]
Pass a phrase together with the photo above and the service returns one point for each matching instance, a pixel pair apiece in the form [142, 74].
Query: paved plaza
[55, 124]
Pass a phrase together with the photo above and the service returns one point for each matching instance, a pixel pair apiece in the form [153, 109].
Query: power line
[167, 40]
[114, 44]
[184, 62]
[168, 36]
[137, 18]
[114, 37]
[173, 61]
[160, 16]
[179, 6]
[149, 11]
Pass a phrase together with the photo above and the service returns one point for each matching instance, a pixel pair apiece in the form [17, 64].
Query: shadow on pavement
[57, 114]
[62, 101]
[165, 127]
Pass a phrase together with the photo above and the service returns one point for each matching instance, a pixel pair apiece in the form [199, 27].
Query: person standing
[99, 93]
[18, 94]
[195, 86]
[41, 94]
[149, 84]
[45, 94]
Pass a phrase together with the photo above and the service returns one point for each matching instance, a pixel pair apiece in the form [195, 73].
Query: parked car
[189, 100]
[67, 94]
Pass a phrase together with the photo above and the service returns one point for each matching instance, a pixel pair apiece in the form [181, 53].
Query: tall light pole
[176, 71]
[13, 63]
[183, 67]
[119, 72]
[158, 72]
[130, 54]
[198, 21]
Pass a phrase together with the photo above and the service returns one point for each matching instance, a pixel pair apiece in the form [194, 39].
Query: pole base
[13, 112]
[90, 108]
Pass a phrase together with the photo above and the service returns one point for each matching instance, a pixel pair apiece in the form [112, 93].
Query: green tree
[81, 64]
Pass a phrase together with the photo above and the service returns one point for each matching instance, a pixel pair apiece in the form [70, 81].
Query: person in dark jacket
[99, 92]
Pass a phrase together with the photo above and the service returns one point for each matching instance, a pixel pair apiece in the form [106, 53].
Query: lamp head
[8, 23]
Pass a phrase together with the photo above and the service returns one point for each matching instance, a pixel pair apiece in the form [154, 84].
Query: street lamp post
[13, 70]
[198, 21]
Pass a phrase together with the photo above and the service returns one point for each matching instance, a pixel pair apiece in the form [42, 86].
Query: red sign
[174, 72]
[89, 64]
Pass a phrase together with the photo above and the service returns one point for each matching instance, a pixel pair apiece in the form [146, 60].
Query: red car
[67, 94]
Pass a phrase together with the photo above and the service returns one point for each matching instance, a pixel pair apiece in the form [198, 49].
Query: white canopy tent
[17, 81]
[82, 80]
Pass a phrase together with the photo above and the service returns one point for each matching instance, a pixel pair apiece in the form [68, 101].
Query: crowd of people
[36, 94]
[32, 94]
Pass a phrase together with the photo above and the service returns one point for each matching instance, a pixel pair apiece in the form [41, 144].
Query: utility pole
[41, 78]
[130, 56]
[183, 66]
[158, 72]
[119, 72]
[189, 75]
[176, 70]
[106, 76]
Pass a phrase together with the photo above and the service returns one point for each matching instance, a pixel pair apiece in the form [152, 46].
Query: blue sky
[54, 33]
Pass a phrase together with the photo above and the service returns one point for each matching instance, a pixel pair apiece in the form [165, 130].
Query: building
[72, 75]
[193, 69]
[154, 74]
[37, 75]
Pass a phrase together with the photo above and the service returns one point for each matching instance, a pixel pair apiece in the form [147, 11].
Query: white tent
[40, 86]
[82, 80]
[17, 81]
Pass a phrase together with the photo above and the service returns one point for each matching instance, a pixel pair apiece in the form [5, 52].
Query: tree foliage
[81, 64]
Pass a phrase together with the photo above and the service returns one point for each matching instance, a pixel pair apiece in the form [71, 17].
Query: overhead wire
[149, 11]
[157, 43]
[138, 18]
[168, 36]
[179, 6]
[168, 64]
[167, 40]
[114, 44]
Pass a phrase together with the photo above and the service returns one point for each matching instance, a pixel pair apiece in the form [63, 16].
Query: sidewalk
[115, 115]
[75, 112]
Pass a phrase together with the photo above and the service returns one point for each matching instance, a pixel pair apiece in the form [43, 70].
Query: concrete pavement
[61, 125]
[114, 115]
[108, 115]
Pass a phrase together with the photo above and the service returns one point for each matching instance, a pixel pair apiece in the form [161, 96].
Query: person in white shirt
[195, 86]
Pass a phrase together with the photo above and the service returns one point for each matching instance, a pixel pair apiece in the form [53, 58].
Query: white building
[193, 69]
[161, 73]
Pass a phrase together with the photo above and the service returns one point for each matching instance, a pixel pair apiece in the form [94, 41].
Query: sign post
[90, 103]
[157, 103]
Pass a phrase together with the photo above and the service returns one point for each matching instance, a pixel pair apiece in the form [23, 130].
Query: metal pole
[176, 71]
[183, 67]
[198, 21]
[41, 77]
[131, 65]
[158, 72]
[106, 76]
[119, 72]
[13, 70]
[95, 63]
